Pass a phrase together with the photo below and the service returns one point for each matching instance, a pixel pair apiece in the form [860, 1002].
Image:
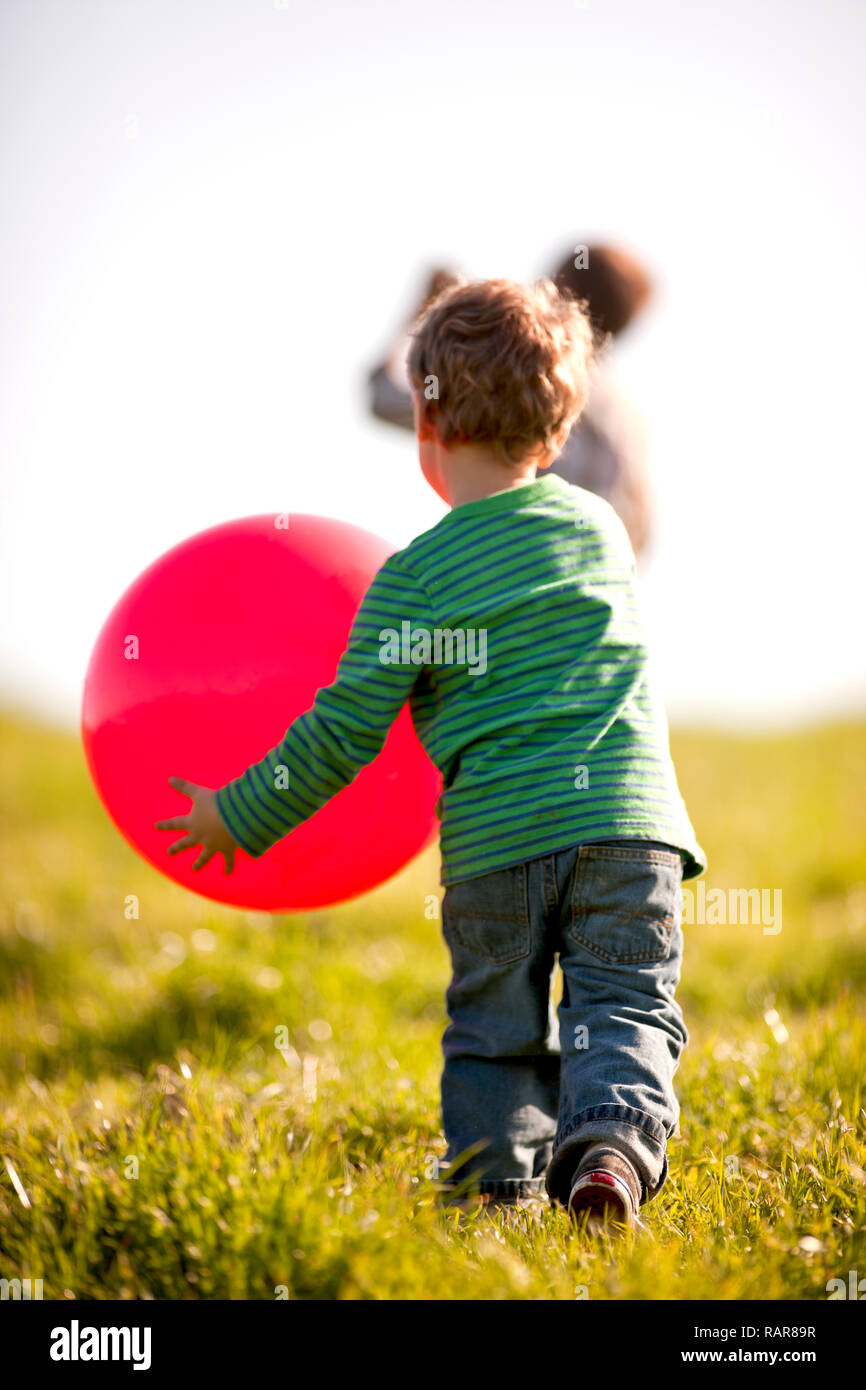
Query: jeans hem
[496, 1187]
[641, 1137]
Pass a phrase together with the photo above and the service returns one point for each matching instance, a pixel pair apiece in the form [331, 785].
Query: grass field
[163, 1147]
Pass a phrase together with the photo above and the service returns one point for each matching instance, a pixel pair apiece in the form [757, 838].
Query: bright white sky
[217, 212]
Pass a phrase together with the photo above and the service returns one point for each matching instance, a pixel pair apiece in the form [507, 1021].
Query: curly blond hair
[498, 363]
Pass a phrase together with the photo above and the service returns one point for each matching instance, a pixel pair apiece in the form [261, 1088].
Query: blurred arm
[390, 401]
[390, 393]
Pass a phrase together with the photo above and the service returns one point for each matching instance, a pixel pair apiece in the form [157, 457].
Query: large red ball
[199, 670]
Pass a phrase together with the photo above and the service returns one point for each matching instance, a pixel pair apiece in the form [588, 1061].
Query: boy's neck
[471, 473]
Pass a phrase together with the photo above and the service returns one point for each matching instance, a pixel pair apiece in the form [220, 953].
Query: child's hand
[203, 825]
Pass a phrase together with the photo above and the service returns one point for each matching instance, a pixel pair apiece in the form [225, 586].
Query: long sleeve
[346, 726]
[390, 401]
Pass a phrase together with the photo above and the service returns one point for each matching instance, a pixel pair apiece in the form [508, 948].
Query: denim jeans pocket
[626, 901]
[489, 915]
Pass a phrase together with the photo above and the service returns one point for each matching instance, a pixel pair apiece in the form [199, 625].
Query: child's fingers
[229, 857]
[187, 842]
[176, 823]
[204, 858]
[181, 785]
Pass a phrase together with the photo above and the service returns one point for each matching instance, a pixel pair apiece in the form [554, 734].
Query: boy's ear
[543, 458]
[557, 444]
[425, 431]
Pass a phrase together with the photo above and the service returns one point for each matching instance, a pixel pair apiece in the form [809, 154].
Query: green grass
[148, 1046]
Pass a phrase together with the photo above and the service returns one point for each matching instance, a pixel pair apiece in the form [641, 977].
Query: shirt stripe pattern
[543, 723]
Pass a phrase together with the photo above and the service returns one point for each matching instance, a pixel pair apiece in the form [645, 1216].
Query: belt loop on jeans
[550, 894]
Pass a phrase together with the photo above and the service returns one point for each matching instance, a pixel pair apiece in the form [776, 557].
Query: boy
[563, 831]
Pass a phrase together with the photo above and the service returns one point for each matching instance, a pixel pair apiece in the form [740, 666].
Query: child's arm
[325, 748]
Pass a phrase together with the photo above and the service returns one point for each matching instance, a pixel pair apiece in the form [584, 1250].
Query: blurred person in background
[606, 451]
[390, 393]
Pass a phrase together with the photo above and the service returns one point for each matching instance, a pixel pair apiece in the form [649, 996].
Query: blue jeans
[522, 1095]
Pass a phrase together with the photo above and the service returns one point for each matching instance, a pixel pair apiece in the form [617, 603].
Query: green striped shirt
[512, 628]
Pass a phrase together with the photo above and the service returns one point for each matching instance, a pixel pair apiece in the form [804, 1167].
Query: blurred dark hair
[614, 285]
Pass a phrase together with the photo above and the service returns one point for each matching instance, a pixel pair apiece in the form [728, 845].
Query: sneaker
[607, 1186]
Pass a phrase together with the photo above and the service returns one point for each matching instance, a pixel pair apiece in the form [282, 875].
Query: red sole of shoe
[602, 1202]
